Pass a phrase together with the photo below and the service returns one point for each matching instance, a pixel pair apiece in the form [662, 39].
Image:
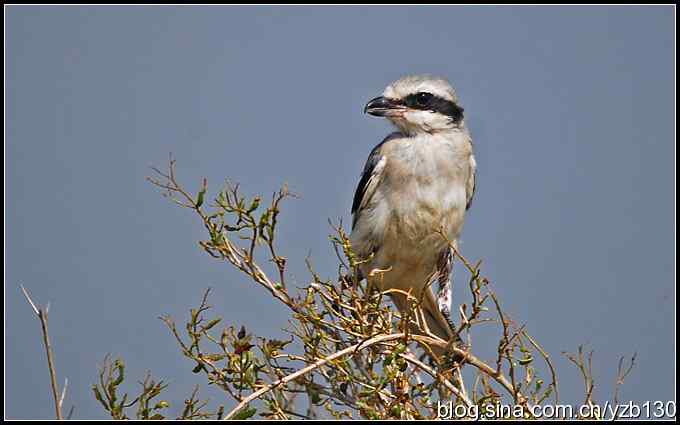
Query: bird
[418, 181]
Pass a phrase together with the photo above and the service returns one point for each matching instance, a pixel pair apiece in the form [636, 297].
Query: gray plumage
[419, 179]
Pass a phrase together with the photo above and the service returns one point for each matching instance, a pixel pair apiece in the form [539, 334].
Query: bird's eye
[423, 98]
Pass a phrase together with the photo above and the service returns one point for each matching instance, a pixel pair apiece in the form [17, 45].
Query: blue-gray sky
[571, 110]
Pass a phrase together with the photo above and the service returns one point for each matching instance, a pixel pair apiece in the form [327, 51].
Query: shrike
[421, 178]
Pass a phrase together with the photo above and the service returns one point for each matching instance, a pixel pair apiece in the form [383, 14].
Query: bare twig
[545, 356]
[42, 316]
[586, 369]
[469, 358]
[409, 358]
[63, 393]
[622, 374]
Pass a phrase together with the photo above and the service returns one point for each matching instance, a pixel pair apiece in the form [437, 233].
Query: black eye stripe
[419, 100]
[423, 98]
[429, 102]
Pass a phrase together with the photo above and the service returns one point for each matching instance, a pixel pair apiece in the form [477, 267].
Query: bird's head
[419, 104]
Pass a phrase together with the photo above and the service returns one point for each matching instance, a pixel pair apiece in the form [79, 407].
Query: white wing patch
[471, 183]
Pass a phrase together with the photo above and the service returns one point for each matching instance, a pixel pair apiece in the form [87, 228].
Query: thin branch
[622, 374]
[409, 358]
[70, 413]
[30, 301]
[356, 347]
[42, 316]
[545, 356]
[477, 363]
[586, 370]
[63, 393]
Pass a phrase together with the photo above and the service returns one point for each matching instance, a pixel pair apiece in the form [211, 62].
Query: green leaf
[396, 411]
[118, 364]
[212, 323]
[161, 405]
[98, 396]
[313, 394]
[245, 413]
[225, 338]
[525, 361]
[200, 199]
[254, 205]
[214, 357]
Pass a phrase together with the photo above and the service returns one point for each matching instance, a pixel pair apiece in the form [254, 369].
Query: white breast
[422, 188]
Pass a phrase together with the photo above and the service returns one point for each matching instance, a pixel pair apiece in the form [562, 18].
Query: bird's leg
[445, 286]
[444, 297]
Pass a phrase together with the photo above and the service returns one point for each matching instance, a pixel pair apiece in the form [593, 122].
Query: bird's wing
[369, 179]
[471, 184]
[368, 183]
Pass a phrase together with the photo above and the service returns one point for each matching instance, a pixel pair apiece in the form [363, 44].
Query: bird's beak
[384, 107]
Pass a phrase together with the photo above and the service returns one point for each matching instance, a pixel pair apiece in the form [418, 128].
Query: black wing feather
[474, 188]
[371, 162]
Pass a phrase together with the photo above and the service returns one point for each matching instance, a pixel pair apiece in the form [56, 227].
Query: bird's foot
[453, 357]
